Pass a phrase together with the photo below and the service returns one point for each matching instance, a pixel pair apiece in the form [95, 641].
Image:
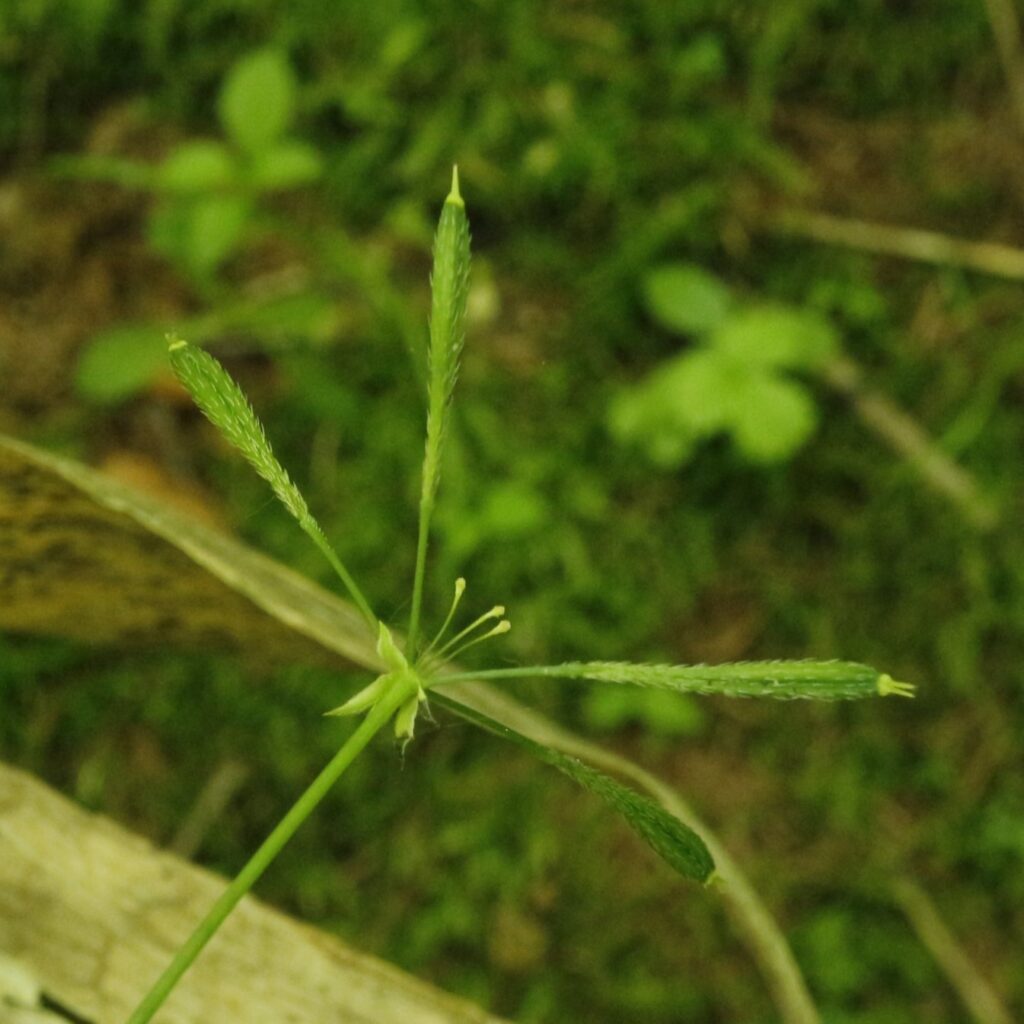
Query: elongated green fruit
[449, 287]
[784, 680]
[227, 408]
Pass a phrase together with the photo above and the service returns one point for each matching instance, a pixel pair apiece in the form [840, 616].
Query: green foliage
[600, 146]
[686, 299]
[121, 362]
[257, 103]
[211, 189]
[735, 381]
[402, 689]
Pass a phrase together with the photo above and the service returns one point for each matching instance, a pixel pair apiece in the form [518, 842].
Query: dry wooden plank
[91, 913]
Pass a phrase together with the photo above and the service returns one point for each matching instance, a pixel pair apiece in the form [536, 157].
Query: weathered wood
[83, 556]
[90, 914]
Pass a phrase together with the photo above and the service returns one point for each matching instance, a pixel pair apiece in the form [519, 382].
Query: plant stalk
[271, 847]
[313, 532]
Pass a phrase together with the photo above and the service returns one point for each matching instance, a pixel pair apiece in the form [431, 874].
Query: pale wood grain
[92, 913]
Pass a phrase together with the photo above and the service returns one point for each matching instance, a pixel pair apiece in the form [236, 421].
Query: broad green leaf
[703, 388]
[215, 227]
[287, 164]
[197, 235]
[674, 842]
[775, 417]
[686, 298]
[200, 166]
[120, 363]
[257, 102]
[688, 397]
[777, 336]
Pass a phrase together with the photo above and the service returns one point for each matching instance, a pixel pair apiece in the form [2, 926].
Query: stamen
[889, 687]
[460, 589]
[502, 627]
[495, 613]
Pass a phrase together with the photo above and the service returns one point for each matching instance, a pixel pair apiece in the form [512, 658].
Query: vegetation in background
[603, 143]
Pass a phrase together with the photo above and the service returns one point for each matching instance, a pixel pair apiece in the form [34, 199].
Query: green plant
[209, 200]
[209, 189]
[736, 380]
[409, 675]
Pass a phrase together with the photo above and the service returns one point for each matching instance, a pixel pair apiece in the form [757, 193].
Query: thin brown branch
[974, 991]
[214, 797]
[909, 439]
[908, 243]
[1002, 16]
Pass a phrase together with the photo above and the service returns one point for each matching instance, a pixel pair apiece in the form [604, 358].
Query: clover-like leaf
[773, 419]
[771, 335]
[286, 164]
[199, 166]
[257, 102]
[686, 298]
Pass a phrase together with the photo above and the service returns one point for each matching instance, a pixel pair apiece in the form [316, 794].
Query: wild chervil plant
[412, 673]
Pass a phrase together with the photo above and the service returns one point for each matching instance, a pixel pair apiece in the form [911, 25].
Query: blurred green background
[656, 455]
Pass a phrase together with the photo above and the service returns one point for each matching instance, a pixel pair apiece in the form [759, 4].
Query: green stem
[315, 534]
[426, 511]
[272, 846]
[532, 671]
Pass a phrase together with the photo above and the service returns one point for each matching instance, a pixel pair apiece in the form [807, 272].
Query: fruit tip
[889, 687]
[455, 196]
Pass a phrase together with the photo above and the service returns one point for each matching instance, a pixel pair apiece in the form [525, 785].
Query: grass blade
[677, 844]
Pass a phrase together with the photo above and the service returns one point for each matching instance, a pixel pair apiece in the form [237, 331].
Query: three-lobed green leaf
[686, 298]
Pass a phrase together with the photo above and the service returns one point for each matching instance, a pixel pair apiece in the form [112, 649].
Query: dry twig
[909, 243]
[974, 991]
[1002, 16]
